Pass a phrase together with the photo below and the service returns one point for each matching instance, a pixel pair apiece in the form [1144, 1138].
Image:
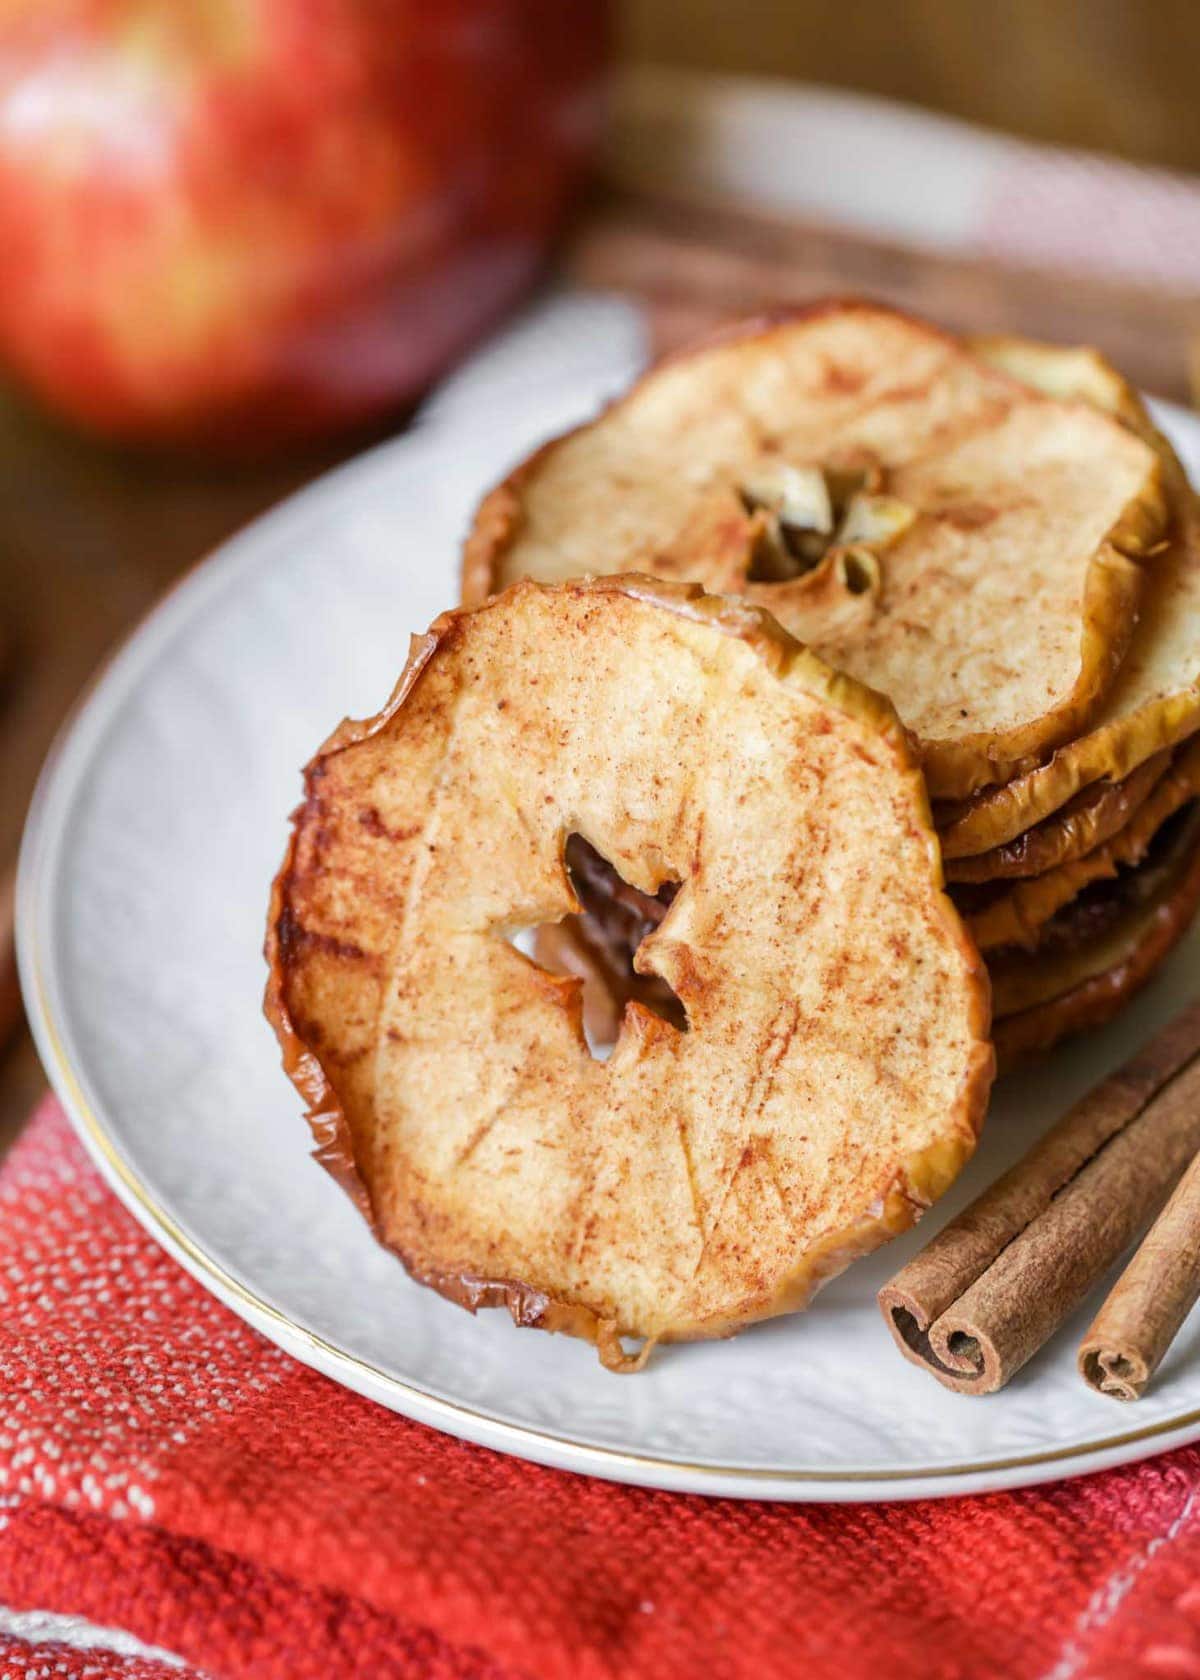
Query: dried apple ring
[928, 523]
[1154, 702]
[834, 1066]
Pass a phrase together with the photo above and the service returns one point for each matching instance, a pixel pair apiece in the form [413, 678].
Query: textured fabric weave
[166, 1471]
[22, 1659]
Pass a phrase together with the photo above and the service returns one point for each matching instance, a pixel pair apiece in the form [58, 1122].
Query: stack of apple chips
[992, 533]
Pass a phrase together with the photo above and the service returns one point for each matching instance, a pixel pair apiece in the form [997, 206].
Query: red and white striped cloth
[208, 1506]
[898, 172]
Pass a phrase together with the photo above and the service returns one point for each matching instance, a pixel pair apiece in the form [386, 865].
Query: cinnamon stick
[1151, 1299]
[996, 1283]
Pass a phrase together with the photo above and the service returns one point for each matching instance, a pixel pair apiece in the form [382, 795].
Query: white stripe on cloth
[897, 172]
[46, 1627]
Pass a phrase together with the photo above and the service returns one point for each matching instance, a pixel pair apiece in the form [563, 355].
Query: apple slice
[832, 1071]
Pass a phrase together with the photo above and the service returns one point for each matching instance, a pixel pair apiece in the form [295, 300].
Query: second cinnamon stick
[1137, 1323]
[992, 1287]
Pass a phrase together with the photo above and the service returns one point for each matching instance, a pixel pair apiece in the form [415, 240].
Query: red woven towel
[166, 1471]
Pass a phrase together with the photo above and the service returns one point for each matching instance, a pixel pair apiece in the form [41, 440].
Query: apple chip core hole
[781, 552]
[860, 570]
[597, 945]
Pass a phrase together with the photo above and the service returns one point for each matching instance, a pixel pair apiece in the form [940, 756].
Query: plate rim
[34, 892]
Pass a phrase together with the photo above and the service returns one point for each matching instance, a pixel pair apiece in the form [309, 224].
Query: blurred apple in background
[240, 222]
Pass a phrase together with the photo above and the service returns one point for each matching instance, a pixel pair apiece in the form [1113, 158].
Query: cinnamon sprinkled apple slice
[830, 1074]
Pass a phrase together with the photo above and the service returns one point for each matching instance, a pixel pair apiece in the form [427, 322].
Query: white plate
[157, 827]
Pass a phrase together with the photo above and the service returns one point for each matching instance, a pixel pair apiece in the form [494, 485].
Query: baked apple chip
[1094, 815]
[1095, 955]
[832, 1070]
[1016, 915]
[928, 523]
[1154, 702]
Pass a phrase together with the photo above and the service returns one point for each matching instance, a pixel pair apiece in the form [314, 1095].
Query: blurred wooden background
[1117, 75]
[90, 536]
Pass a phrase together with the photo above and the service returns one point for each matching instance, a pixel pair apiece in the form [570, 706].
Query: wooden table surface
[1103, 74]
[90, 536]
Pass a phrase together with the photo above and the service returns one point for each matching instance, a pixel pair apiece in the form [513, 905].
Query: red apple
[235, 222]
